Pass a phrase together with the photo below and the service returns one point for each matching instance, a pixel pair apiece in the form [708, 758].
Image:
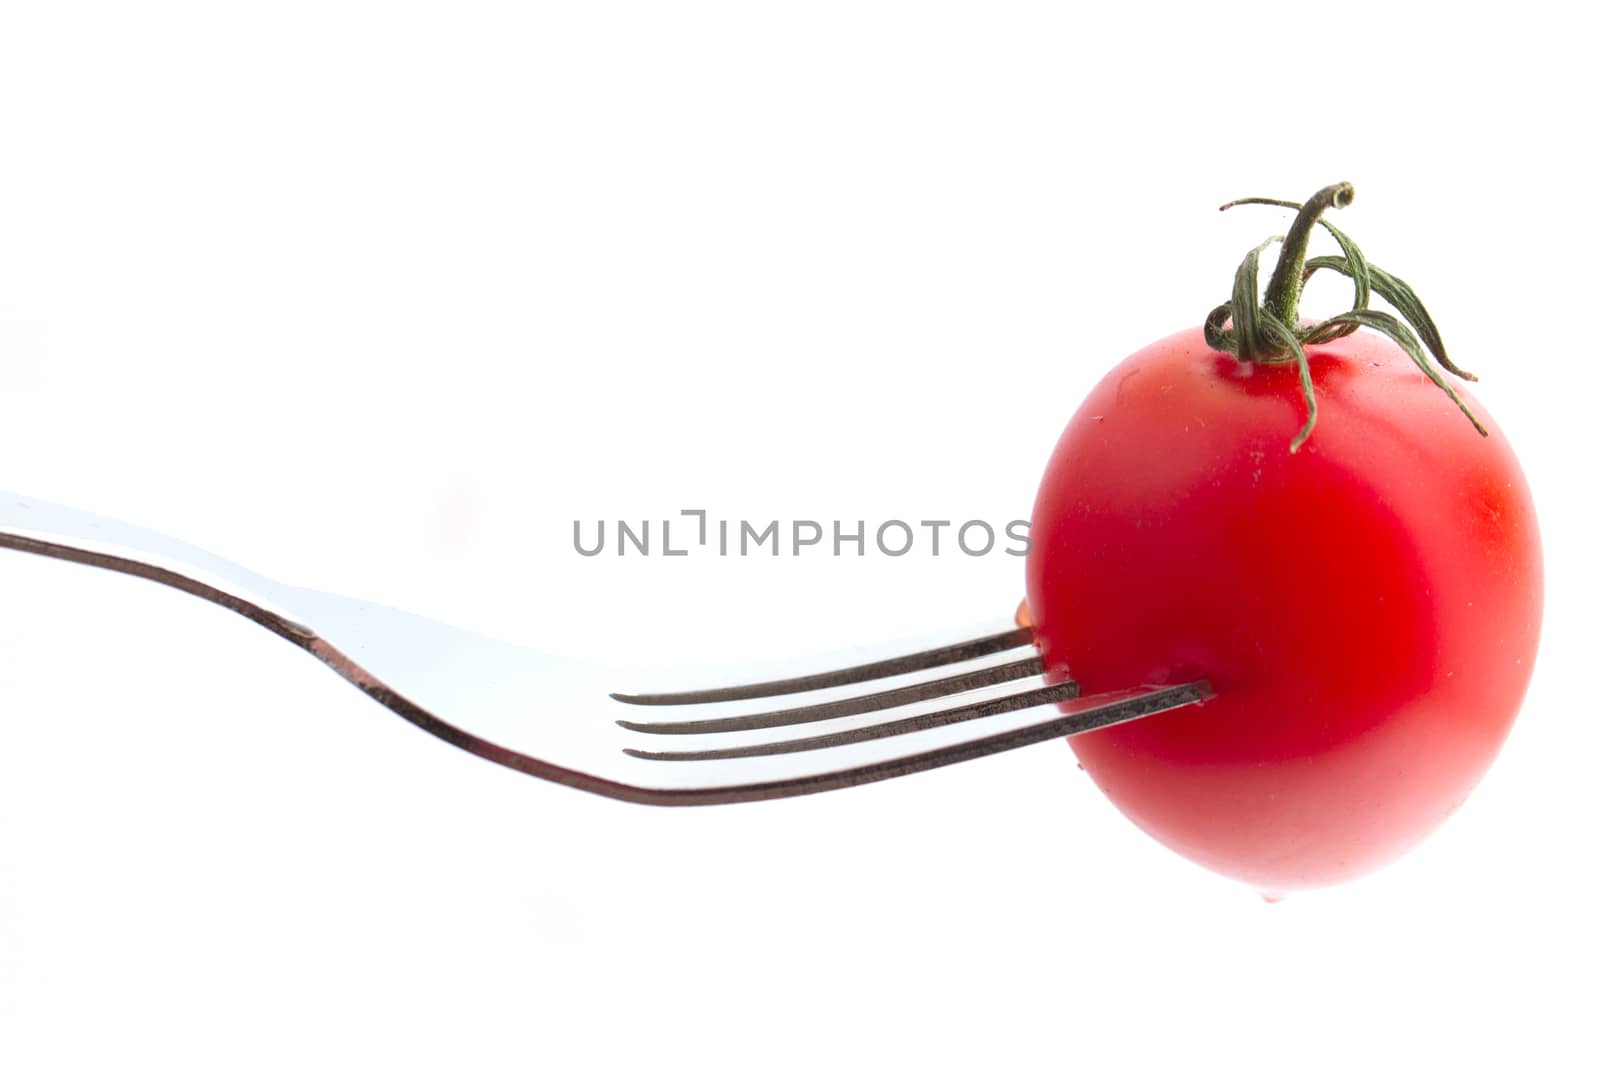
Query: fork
[818, 726]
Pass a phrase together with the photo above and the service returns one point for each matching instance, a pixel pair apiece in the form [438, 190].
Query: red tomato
[1367, 608]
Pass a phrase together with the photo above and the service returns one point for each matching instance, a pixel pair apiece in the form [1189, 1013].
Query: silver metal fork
[819, 726]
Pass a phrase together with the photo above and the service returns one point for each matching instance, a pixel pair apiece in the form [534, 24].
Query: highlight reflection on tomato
[1366, 606]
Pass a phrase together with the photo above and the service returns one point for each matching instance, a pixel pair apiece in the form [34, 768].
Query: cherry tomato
[1366, 608]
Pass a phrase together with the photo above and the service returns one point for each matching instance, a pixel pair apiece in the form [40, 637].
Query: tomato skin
[1367, 609]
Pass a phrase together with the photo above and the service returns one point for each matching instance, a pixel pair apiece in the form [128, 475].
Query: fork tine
[1118, 707]
[1014, 702]
[865, 672]
[835, 709]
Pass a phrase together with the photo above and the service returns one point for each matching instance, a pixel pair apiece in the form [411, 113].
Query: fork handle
[41, 528]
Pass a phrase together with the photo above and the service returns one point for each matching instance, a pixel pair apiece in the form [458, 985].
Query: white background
[379, 298]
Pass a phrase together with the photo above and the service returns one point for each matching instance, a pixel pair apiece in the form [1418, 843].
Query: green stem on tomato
[1283, 291]
[1273, 333]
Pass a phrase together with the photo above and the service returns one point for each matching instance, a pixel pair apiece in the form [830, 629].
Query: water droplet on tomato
[1024, 616]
